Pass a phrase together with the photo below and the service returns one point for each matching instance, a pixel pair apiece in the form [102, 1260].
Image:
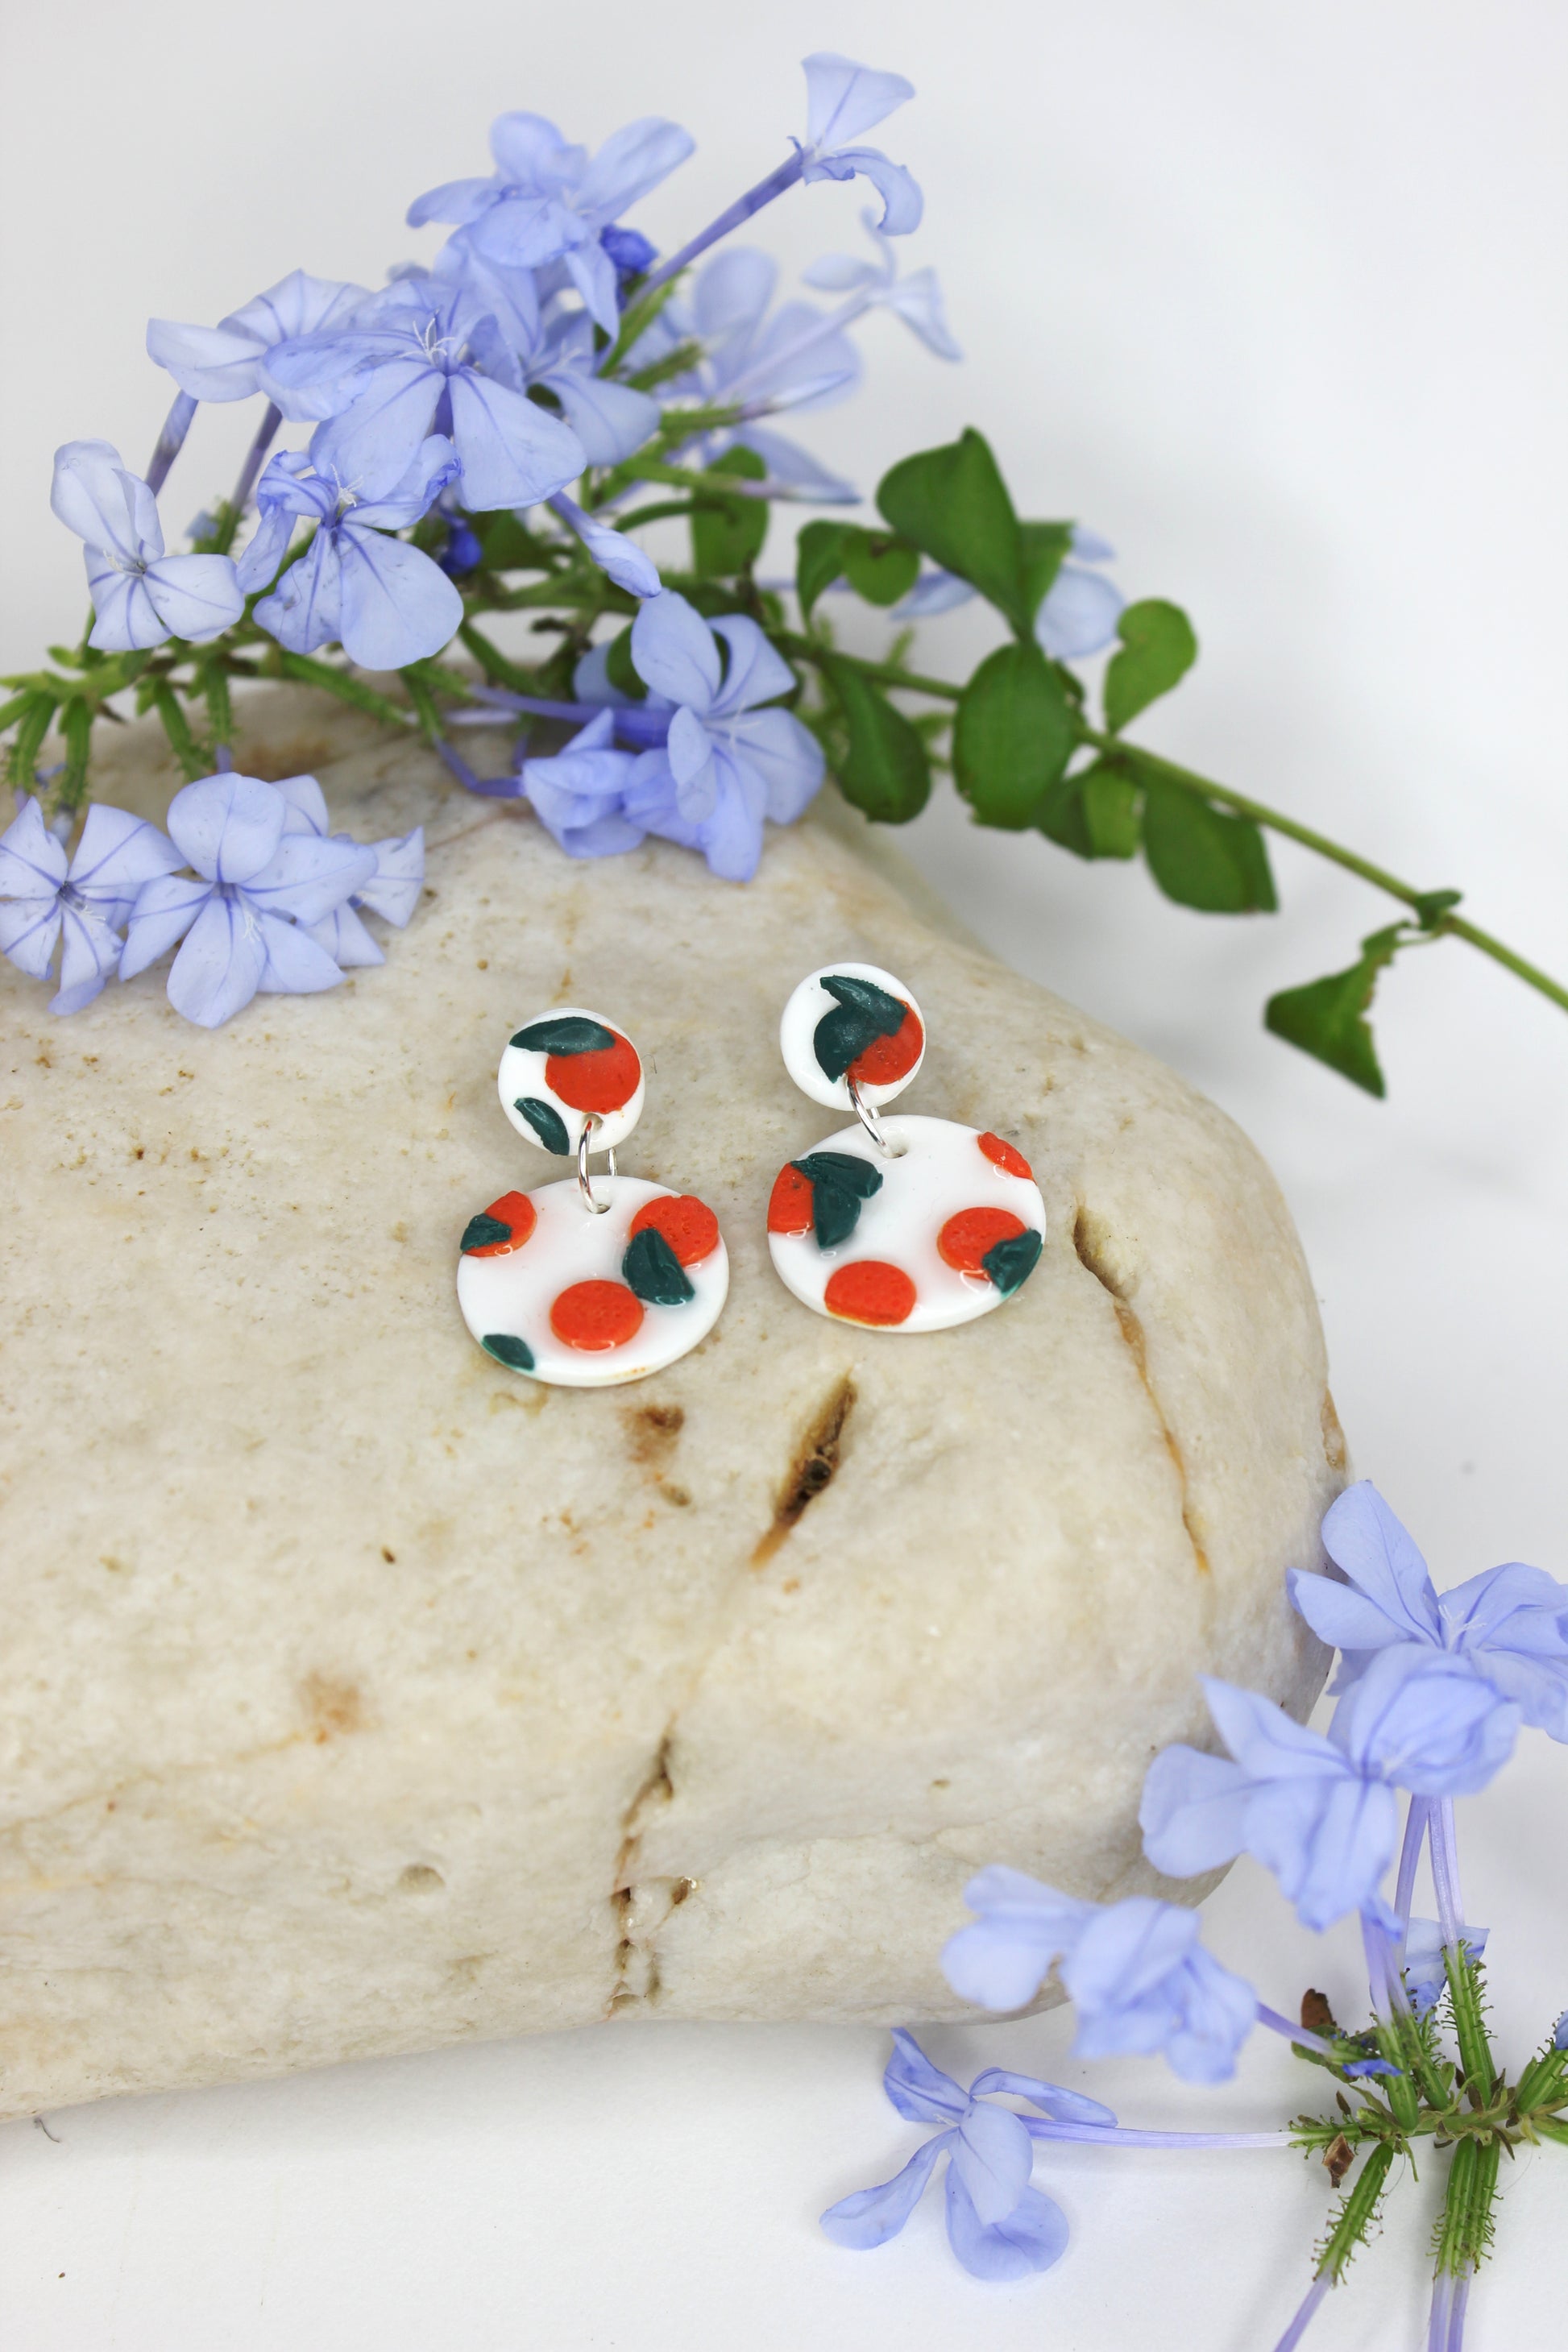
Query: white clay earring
[593, 1280]
[906, 1225]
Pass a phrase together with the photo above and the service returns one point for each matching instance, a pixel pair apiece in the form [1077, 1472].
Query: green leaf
[862, 1014]
[620, 669]
[1093, 812]
[565, 1033]
[1202, 857]
[515, 1354]
[1046, 548]
[840, 1183]
[509, 545]
[1327, 1018]
[886, 771]
[1011, 1263]
[818, 560]
[547, 1124]
[1158, 647]
[954, 503]
[1012, 736]
[483, 1232]
[728, 537]
[653, 1273]
[880, 568]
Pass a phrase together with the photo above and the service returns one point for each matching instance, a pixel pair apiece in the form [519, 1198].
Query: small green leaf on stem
[728, 536]
[1012, 736]
[818, 560]
[952, 503]
[879, 566]
[1046, 546]
[1158, 648]
[1093, 812]
[1328, 1018]
[1200, 856]
[886, 771]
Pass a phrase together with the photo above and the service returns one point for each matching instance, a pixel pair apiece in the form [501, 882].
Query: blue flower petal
[871, 2216]
[218, 969]
[1031, 2238]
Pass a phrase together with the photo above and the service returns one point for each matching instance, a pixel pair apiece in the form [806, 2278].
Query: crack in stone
[1089, 1246]
[814, 1466]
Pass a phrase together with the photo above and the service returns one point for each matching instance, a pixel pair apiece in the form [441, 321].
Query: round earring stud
[595, 1279]
[896, 1224]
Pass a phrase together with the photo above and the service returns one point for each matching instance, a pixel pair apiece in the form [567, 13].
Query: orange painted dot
[687, 1224]
[597, 1315]
[871, 1291]
[1006, 1156]
[789, 1209]
[513, 1209]
[889, 1059]
[601, 1082]
[964, 1239]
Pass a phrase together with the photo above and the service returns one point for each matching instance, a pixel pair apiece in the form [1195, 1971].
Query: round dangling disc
[584, 1301]
[852, 1021]
[945, 1231]
[564, 1068]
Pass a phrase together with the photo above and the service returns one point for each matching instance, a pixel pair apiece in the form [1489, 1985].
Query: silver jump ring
[584, 1181]
[870, 1121]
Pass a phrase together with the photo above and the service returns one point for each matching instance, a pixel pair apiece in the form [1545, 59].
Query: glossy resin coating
[851, 1021]
[941, 1228]
[564, 1067]
[581, 1301]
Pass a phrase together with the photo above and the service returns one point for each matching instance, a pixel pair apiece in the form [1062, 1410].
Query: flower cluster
[1432, 1690]
[247, 881]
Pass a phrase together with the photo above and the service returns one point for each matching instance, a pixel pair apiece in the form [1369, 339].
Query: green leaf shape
[547, 1124]
[571, 1032]
[863, 1014]
[886, 771]
[1202, 857]
[509, 546]
[728, 536]
[514, 1353]
[1012, 736]
[1094, 813]
[952, 503]
[651, 1269]
[1011, 1263]
[818, 560]
[1046, 546]
[1158, 648]
[620, 669]
[840, 1185]
[481, 1232]
[880, 568]
[1328, 1018]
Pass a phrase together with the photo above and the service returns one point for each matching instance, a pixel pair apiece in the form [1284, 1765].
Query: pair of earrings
[900, 1224]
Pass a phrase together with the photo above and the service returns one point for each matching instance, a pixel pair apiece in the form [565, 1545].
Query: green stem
[1359, 2212]
[346, 688]
[1470, 2027]
[1133, 756]
[880, 673]
[178, 727]
[494, 663]
[77, 727]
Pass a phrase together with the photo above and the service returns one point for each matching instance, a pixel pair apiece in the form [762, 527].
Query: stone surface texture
[358, 1696]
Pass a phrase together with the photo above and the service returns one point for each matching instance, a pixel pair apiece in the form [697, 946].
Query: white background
[1274, 297]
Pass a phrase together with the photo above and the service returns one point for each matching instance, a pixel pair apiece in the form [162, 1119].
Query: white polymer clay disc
[946, 1229]
[581, 1301]
[868, 1027]
[567, 1066]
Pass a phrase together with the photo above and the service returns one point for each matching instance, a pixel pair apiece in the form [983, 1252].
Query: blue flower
[842, 100]
[240, 919]
[387, 602]
[578, 795]
[1510, 1624]
[1424, 1969]
[141, 596]
[225, 361]
[86, 907]
[727, 764]
[998, 2226]
[421, 357]
[876, 285]
[1320, 1813]
[392, 891]
[546, 201]
[618, 557]
[1135, 1971]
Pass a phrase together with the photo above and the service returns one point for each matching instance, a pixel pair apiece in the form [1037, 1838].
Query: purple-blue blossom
[79, 909]
[1423, 1960]
[224, 362]
[140, 595]
[727, 763]
[998, 2226]
[392, 891]
[386, 601]
[548, 200]
[1321, 1813]
[422, 357]
[242, 915]
[1135, 1971]
[843, 100]
[578, 793]
[876, 285]
[1509, 1624]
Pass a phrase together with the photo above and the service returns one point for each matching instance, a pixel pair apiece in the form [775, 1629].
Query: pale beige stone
[357, 1696]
